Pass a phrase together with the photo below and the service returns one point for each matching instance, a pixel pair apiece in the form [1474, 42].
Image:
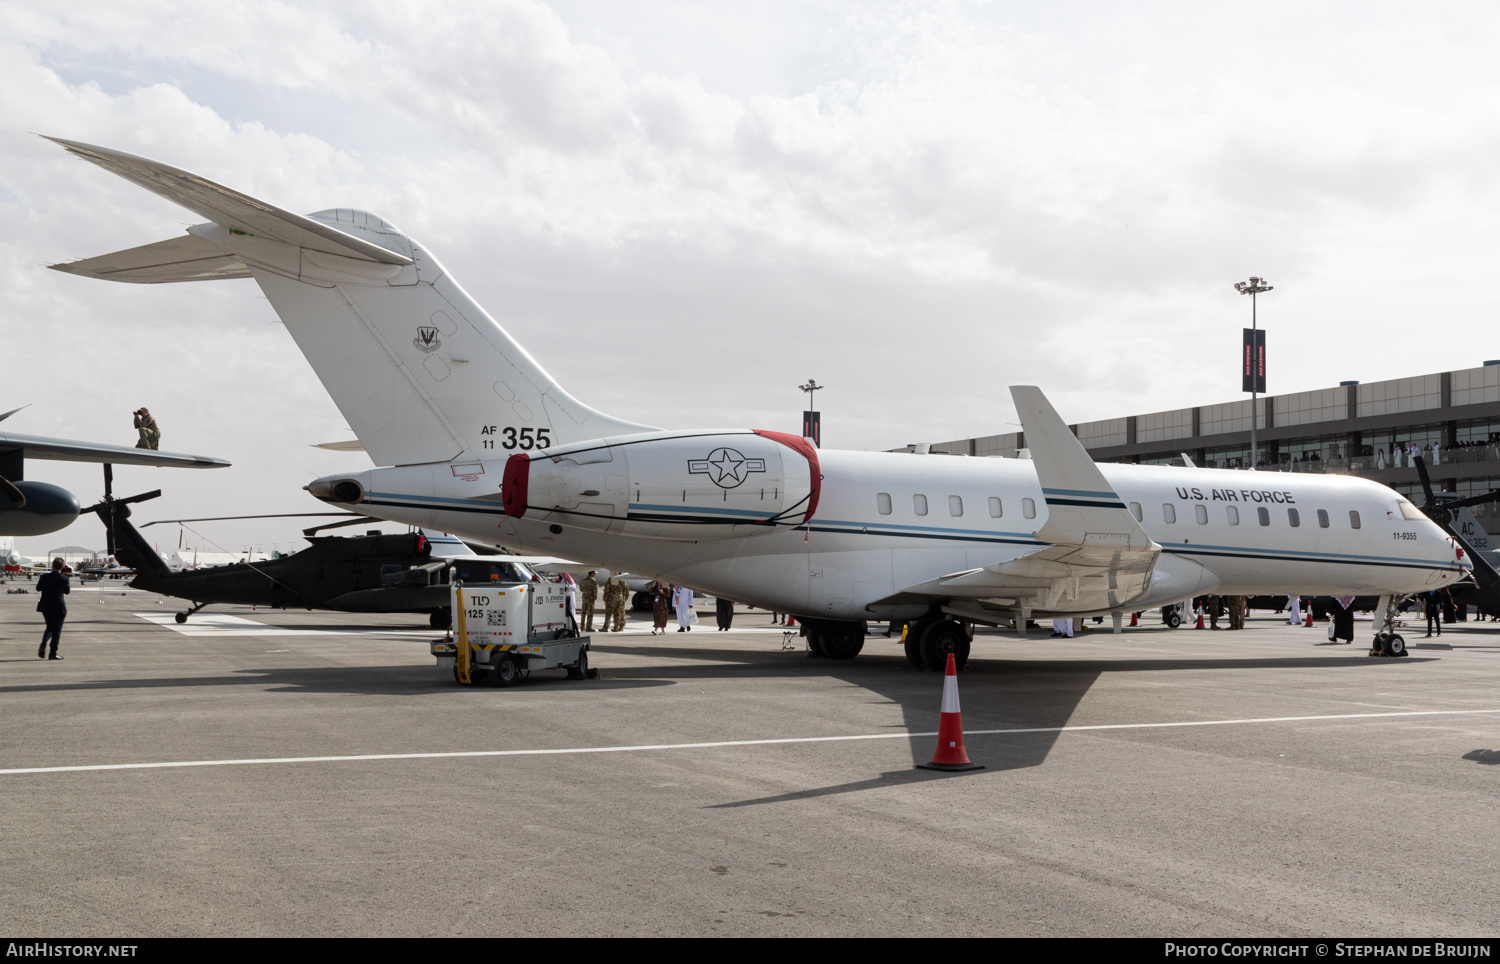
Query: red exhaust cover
[803, 448]
[515, 484]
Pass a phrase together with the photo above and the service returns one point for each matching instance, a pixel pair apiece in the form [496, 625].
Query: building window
[1293, 517]
[919, 504]
[1028, 508]
[1168, 512]
[1354, 518]
[1135, 510]
[883, 503]
[1200, 512]
[955, 506]
[1234, 514]
[1264, 515]
[995, 509]
[1322, 518]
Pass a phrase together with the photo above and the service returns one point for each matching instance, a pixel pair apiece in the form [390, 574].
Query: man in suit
[54, 608]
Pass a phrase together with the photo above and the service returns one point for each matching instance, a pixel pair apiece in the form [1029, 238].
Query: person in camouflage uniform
[615, 595]
[589, 590]
[146, 425]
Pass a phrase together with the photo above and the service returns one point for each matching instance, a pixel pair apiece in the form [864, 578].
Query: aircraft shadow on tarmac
[996, 694]
[1489, 758]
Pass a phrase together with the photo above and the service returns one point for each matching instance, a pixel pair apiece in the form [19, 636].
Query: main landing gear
[930, 641]
[831, 639]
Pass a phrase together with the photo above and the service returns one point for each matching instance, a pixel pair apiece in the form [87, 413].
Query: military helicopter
[372, 573]
[1451, 513]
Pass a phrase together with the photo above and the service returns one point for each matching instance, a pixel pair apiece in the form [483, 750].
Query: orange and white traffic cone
[1135, 619]
[950, 753]
[1199, 624]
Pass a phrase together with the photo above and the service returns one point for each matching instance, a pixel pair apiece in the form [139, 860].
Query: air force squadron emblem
[726, 467]
[427, 340]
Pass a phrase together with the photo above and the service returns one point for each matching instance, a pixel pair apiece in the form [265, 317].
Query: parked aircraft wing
[229, 208]
[1099, 557]
[188, 258]
[67, 450]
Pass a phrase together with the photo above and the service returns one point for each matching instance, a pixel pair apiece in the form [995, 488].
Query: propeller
[13, 411]
[116, 508]
[1441, 510]
[15, 495]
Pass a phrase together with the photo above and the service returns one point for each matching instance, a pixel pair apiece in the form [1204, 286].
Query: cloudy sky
[684, 210]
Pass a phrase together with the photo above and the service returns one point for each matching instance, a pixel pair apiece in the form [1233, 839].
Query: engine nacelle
[669, 485]
[45, 508]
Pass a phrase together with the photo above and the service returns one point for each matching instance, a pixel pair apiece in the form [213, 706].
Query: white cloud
[918, 204]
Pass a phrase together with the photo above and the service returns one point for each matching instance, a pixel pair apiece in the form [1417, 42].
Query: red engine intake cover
[803, 448]
[515, 484]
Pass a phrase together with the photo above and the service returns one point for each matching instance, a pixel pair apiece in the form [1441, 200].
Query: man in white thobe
[1296, 607]
[682, 601]
[1062, 627]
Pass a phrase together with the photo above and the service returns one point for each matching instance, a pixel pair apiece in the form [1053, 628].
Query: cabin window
[955, 506]
[1200, 512]
[1322, 518]
[1264, 515]
[1233, 513]
[1409, 511]
[1354, 518]
[919, 504]
[1028, 508]
[1135, 510]
[1294, 518]
[1168, 512]
[883, 503]
[995, 508]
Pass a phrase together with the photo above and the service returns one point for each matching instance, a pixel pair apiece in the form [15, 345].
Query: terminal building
[1451, 418]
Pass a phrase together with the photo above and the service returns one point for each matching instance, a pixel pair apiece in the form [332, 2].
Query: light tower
[811, 420]
[1253, 357]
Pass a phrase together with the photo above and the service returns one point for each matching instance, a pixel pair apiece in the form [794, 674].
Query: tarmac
[313, 774]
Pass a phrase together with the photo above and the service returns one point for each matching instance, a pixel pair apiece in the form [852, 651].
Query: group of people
[665, 599]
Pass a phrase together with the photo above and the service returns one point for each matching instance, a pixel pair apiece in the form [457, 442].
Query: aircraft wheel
[641, 602]
[581, 671]
[942, 638]
[913, 644]
[440, 619]
[507, 672]
[180, 617]
[815, 642]
[1173, 621]
[1394, 645]
[843, 641]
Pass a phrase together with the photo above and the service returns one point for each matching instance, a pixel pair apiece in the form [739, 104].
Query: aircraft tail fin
[131, 548]
[420, 372]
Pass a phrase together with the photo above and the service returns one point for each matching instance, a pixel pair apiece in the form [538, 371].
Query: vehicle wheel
[1173, 621]
[581, 671]
[180, 617]
[507, 672]
[1395, 645]
[815, 642]
[440, 619]
[942, 638]
[843, 640]
[641, 602]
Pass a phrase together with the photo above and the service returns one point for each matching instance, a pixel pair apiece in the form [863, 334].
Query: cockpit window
[1409, 511]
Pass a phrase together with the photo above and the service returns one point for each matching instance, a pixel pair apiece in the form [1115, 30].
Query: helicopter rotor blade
[339, 525]
[1426, 482]
[273, 515]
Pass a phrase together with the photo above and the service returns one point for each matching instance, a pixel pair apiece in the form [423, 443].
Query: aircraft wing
[1098, 557]
[67, 450]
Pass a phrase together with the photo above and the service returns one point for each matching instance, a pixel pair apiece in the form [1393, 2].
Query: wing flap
[188, 258]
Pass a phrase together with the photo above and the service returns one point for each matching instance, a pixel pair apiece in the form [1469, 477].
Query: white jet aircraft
[474, 438]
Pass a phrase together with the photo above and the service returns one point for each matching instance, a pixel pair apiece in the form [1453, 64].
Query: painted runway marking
[567, 751]
[219, 624]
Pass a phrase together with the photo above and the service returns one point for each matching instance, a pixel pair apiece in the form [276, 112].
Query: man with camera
[53, 586]
[146, 425]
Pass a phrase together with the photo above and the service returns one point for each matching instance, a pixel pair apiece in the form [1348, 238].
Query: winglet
[1083, 509]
